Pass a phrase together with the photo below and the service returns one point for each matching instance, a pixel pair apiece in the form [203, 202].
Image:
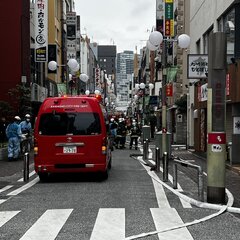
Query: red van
[70, 135]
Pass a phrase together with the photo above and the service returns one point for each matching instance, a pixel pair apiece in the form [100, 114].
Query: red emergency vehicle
[70, 135]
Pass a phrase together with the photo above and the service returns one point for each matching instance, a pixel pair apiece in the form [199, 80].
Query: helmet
[27, 116]
[17, 118]
[112, 119]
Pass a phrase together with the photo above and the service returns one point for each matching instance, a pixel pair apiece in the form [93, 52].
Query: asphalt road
[129, 203]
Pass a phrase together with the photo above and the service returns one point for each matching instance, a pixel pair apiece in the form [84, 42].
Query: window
[69, 123]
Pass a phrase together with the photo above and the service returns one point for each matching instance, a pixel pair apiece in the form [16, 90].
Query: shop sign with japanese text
[169, 18]
[197, 66]
[41, 30]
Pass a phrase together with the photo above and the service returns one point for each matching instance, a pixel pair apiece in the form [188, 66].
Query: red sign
[169, 90]
[217, 138]
[228, 84]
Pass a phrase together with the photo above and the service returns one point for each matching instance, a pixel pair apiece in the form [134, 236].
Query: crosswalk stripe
[167, 218]
[48, 225]
[110, 224]
[6, 216]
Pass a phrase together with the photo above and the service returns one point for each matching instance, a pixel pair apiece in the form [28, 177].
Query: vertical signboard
[169, 18]
[159, 15]
[41, 30]
[71, 35]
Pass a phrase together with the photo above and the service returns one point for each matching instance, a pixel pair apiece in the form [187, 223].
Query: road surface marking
[30, 174]
[159, 191]
[5, 188]
[48, 225]
[110, 224]
[2, 201]
[167, 218]
[6, 216]
[184, 203]
[24, 187]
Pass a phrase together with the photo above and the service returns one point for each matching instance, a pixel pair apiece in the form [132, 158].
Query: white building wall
[203, 15]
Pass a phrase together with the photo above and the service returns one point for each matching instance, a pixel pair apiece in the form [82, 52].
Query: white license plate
[69, 149]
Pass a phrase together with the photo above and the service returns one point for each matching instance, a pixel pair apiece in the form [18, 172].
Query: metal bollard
[175, 180]
[200, 184]
[165, 167]
[145, 149]
[157, 161]
[26, 167]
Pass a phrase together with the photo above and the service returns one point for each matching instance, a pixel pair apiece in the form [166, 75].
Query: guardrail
[184, 163]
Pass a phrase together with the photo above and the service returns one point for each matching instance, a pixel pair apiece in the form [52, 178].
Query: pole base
[216, 195]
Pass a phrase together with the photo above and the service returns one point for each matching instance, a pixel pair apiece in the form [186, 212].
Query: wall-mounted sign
[236, 125]
[197, 66]
[41, 30]
[169, 90]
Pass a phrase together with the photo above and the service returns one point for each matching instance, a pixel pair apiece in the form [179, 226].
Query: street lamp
[72, 64]
[155, 39]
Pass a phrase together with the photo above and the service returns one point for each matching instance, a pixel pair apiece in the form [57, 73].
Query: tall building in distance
[124, 77]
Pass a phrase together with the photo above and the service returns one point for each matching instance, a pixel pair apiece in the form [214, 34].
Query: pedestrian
[13, 133]
[3, 126]
[26, 129]
[135, 133]
[121, 134]
[113, 131]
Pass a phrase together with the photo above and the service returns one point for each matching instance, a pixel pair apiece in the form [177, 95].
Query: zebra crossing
[110, 224]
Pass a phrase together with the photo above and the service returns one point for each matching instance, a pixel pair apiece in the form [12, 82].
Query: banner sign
[71, 35]
[197, 66]
[41, 30]
[159, 15]
[228, 84]
[204, 92]
[169, 18]
[169, 90]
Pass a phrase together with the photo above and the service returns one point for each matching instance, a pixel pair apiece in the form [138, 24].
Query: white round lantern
[97, 92]
[142, 85]
[137, 86]
[151, 47]
[151, 86]
[87, 92]
[52, 65]
[135, 97]
[156, 38]
[72, 63]
[70, 77]
[76, 68]
[183, 41]
[84, 77]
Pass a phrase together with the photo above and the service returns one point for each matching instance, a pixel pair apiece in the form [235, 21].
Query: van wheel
[103, 175]
[43, 177]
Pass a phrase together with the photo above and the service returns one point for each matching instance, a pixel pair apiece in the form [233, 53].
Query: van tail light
[35, 148]
[104, 146]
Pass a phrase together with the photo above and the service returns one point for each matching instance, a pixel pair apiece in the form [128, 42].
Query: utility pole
[164, 102]
[216, 118]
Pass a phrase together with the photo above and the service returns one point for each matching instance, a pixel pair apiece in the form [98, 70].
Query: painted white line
[30, 174]
[167, 218]
[110, 224]
[24, 187]
[2, 201]
[48, 225]
[5, 188]
[159, 191]
[6, 216]
[179, 189]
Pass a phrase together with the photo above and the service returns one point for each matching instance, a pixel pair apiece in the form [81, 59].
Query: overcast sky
[124, 23]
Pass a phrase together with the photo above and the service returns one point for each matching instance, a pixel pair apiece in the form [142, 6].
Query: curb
[3, 153]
